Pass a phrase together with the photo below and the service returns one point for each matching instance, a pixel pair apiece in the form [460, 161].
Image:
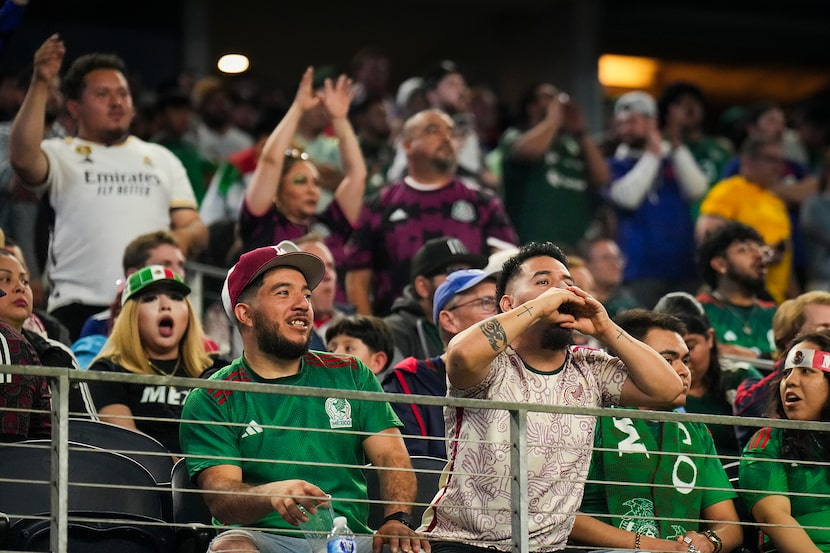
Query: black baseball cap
[438, 255]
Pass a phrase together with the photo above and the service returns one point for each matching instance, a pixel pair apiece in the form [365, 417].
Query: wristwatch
[714, 538]
[402, 517]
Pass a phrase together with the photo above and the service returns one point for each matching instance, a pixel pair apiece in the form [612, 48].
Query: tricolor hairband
[803, 357]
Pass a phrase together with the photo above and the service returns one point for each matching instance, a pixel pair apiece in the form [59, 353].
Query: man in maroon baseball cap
[267, 294]
[256, 262]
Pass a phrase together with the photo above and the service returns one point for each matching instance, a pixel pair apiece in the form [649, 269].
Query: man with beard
[429, 202]
[268, 449]
[105, 185]
[654, 183]
[733, 263]
[752, 197]
[523, 354]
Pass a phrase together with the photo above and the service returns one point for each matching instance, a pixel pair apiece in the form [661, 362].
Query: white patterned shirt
[475, 507]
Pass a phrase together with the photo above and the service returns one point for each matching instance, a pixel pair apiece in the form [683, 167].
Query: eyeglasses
[767, 253]
[294, 153]
[486, 304]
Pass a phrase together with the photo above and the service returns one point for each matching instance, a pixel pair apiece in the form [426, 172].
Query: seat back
[134, 535]
[188, 503]
[428, 472]
[190, 513]
[27, 464]
[103, 485]
[144, 449]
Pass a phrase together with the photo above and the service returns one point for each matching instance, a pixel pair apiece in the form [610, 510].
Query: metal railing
[62, 378]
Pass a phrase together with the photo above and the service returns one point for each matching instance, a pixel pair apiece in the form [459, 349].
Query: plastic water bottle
[341, 539]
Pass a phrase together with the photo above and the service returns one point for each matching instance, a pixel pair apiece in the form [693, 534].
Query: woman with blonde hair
[157, 332]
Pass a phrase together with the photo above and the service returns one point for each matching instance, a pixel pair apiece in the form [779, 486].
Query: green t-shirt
[291, 437]
[758, 473]
[750, 327]
[677, 483]
[549, 199]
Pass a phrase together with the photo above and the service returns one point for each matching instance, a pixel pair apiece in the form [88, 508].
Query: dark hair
[758, 109]
[527, 98]
[717, 242]
[372, 51]
[361, 106]
[171, 98]
[138, 250]
[672, 93]
[267, 121]
[685, 307]
[372, 331]
[638, 322]
[510, 269]
[435, 73]
[801, 444]
[73, 82]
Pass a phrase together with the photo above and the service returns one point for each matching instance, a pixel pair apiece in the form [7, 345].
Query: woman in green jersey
[790, 499]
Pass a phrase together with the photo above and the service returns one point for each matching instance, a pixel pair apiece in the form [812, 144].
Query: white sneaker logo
[252, 429]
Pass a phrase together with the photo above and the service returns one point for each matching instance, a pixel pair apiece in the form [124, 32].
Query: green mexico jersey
[282, 437]
[806, 486]
[671, 473]
[549, 199]
[750, 327]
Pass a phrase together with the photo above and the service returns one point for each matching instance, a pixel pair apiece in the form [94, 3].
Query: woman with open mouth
[784, 476]
[157, 332]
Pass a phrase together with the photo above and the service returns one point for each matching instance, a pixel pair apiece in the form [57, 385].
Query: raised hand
[559, 305]
[338, 96]
[589, 315]
[48, 58]
[653, 138]
[306, 99]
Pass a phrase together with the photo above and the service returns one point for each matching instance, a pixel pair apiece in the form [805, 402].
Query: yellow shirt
[738, 199]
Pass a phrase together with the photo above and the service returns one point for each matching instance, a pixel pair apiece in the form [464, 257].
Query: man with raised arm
[523, 354]
[105, 185]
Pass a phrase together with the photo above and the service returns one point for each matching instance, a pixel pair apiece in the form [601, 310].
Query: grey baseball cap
[635, 102]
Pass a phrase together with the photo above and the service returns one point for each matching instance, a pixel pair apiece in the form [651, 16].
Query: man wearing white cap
[654, 183]
[267, 294]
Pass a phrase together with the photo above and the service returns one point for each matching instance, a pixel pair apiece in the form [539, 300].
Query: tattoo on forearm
[495, 334]
[622, 335]
[527, 310]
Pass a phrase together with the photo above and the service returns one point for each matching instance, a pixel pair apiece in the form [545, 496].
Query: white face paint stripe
[803, 357]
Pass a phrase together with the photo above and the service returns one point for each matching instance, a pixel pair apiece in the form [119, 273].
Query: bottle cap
[339, 522]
